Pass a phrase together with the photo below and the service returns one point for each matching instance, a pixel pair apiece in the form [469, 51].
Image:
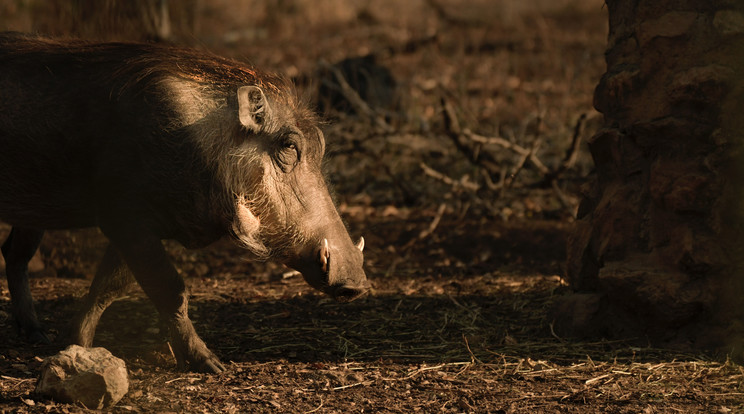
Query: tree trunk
[657, 249]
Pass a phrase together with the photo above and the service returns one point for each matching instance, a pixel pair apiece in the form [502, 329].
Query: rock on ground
[91, 376]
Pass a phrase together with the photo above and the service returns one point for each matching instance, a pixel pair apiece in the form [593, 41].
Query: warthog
[151, 142]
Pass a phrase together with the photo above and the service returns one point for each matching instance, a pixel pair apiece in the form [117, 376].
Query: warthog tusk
[325, 255]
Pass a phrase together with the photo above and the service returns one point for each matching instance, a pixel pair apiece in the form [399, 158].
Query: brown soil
[456, 323]
[464, 279]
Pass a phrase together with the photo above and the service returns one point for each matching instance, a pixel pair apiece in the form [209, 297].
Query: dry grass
[480, 346]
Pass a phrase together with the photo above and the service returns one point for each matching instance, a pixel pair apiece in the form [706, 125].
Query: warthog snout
[348, 292]
[342, 271]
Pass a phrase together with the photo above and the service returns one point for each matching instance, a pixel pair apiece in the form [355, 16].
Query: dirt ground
[456, 323]
[466, 261]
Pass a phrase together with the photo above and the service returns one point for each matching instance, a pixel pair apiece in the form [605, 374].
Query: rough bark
[657, 248]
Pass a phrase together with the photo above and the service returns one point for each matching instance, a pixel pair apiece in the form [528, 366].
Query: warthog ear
[253, 108]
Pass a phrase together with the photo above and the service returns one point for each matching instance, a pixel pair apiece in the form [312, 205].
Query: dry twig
[473, 153]
[428, 231]
[316, 408]
[473, 146]
[462, 183]
[343, 387]
[353, 97]
[517, 168]
[571, 154]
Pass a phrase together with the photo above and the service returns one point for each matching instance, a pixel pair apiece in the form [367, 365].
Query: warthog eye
[288, 155]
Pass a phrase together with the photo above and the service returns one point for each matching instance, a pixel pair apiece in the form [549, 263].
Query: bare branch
[489, 182]
[462, 183]
[517, 168]
[565, 200]
[429, 230]
[571, 154]
[434, 223]
[502, 142]
[473, 146]
[472, 152]
[353, 97]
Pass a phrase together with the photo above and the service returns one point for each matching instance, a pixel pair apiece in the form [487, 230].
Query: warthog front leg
[112, 281]
[149, 263]
[18, 250]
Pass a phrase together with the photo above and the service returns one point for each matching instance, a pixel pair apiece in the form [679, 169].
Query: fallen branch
[463, 139]
[555, 335]
[572, 154]
[356, 384]
[473, 358]
[316, 408]
[429, 230]
[474, 154]
[440, 366]
[517, 168]
[462, 183]
[489, 182]
[502, 142]
[434, 223]
[562, 198]
[353, 97]
[474, 147]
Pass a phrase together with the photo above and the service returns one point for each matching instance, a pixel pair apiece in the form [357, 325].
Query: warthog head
[281, 201]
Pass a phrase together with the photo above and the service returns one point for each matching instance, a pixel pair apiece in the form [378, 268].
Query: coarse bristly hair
[196, 93]
[202, 89]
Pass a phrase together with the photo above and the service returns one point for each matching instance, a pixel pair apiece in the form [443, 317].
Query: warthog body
[148, 143]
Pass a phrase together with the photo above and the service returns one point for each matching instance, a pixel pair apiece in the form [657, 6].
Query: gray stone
[90, 376]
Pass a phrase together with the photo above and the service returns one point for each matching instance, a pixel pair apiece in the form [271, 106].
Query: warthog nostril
[347, 294]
